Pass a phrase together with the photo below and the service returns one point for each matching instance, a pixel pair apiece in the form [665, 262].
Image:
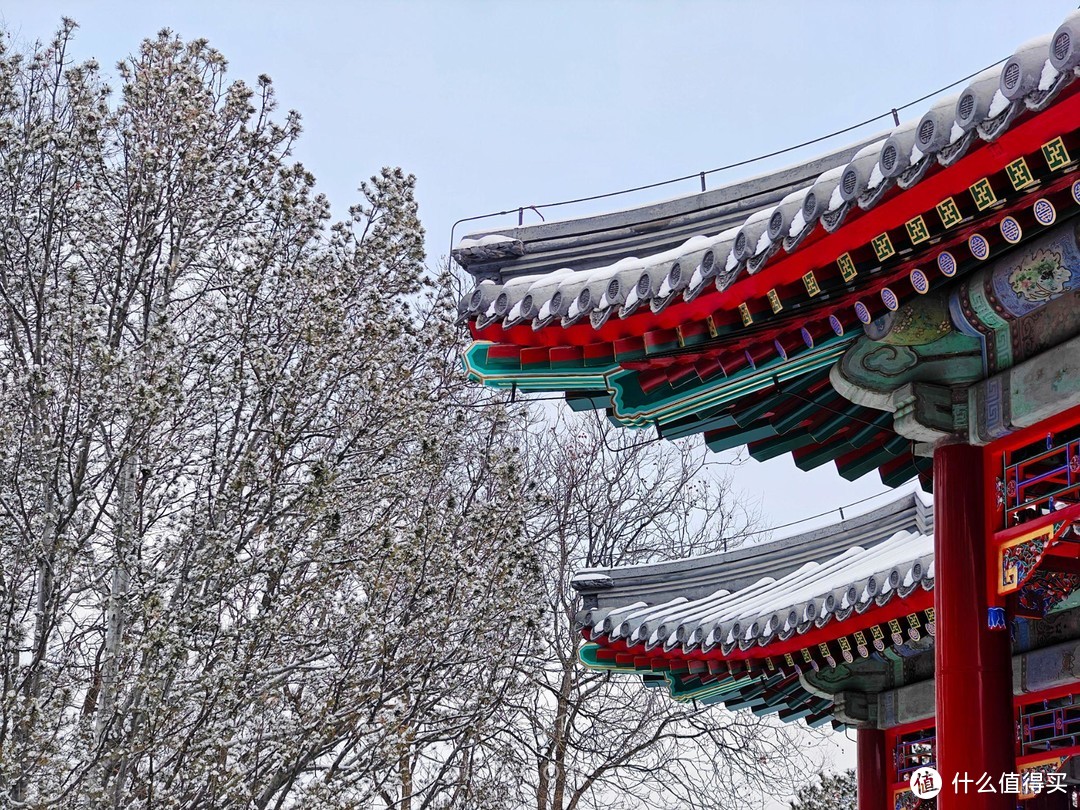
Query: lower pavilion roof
[718, 627]
[886, 554]
[835, 310]
[798, 626]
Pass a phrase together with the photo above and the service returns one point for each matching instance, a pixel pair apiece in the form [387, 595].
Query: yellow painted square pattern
[1019, 174]
[916, 230]
[847, 267]
[983, 194]
[883, 246]
[949, 212]
[1057, 156]
[774, 300]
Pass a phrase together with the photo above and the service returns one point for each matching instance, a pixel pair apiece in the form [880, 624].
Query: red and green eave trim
[748, 364]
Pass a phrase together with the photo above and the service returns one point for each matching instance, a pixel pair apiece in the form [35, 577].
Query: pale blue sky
[495, 105]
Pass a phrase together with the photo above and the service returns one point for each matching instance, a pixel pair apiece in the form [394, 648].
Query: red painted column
[870, 769]
[973, 663]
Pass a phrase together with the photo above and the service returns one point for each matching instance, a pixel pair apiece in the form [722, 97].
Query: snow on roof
[831, 573]
[772, 609]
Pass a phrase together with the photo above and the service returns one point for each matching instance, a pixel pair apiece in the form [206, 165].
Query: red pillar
[973, 663]
[870, 769]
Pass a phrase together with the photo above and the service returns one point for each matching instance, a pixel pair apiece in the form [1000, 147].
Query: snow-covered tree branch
[261, 545]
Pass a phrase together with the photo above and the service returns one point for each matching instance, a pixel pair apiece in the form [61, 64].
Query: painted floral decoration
[1040, 278]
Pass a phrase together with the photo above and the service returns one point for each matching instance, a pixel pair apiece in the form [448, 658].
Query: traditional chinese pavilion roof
[723, 624]
[835, 624]
[756, 313]
[765, 593]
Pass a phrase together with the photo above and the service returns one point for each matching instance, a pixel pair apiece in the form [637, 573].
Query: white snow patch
[763, 243]
[837, 199]
[998, 105]
[731, 262]
[1049, 75]
[665, 289]
[691, 245]
[631, 297]
[515, 312]
[956, 133]
[870, 150]
[798, 222]
[875, 177]
[624, 264]
[484, 241]
[522, 281]
[545, 310]
[761, 215]
[916, 155]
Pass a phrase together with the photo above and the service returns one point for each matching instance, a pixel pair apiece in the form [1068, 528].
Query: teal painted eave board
[632, 405]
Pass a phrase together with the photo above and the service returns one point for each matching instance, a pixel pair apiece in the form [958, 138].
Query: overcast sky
[498, 105]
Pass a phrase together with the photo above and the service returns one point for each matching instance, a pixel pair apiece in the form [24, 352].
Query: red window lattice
[1041, 477]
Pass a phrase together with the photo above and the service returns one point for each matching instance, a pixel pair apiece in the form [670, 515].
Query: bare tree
[587, 739]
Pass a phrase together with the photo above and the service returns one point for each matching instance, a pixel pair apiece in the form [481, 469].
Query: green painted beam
[865, 432]
[737, 438]
[874, 458]
[745, 702]
[818, 455]
[845, 412]
[749, 414]
[778, 399]
[771, 448]
[695, 425]
[903, 474]
[791, 715]
[633, 405]
[589, 401]
[797, 415]
[539, 378]
[825, 718]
